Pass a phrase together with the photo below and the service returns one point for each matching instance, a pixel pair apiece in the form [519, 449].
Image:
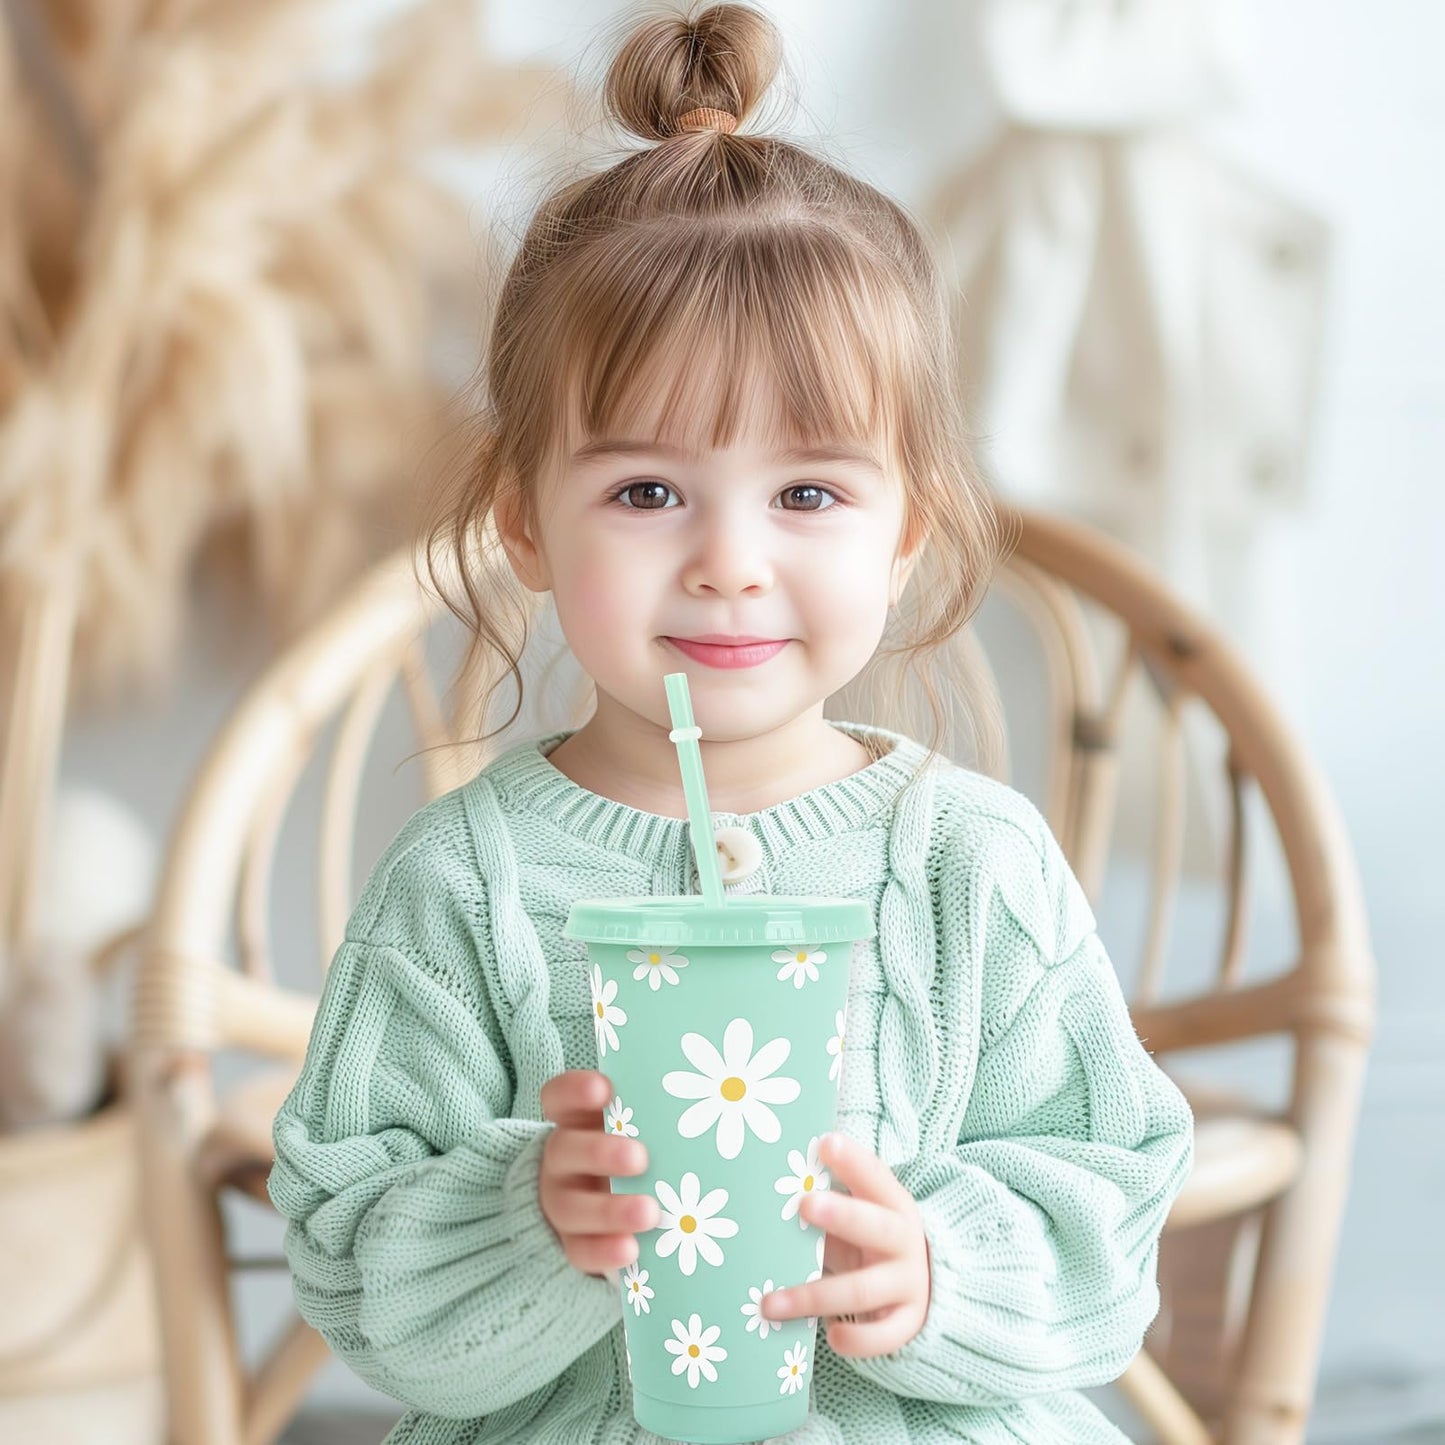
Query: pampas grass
[227, 278]
[220, 308]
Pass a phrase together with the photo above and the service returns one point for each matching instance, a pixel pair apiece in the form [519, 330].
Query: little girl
[748, 344]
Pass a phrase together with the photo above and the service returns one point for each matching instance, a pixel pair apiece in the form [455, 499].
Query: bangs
[699, 336]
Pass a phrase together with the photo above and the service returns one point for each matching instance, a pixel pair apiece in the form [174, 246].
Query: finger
[586, 1211]
[576, 1097]
[864, 1173]
[594, 1154]
[859, 1292]
[882, 1336]
[597, 1253]
[859, 1221]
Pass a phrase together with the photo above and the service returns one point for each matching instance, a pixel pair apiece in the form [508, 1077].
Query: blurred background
[244, 258]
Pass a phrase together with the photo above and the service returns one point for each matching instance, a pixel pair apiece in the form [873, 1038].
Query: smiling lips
[717, 650]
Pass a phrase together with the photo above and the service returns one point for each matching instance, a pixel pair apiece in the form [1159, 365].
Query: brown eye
[809, 497]
[644, 496]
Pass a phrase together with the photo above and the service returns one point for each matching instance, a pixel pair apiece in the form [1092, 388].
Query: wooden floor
[337, 1428]
[341, 1428]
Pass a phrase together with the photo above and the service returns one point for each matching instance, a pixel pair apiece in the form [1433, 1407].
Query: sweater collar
[530, 783]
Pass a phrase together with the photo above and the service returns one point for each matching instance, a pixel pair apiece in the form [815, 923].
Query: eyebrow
[812, 453]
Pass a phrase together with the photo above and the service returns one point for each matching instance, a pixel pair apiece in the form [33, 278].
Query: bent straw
[685, 734]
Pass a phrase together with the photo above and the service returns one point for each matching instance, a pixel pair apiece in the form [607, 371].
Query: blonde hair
[671, 276]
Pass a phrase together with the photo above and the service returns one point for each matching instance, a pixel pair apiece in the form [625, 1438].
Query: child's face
[651, 543]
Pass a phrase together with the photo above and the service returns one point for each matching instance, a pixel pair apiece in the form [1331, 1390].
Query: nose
[729, 556]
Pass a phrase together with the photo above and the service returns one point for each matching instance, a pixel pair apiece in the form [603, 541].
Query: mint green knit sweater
[989, 1061]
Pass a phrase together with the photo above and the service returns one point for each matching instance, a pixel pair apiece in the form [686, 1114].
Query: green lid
[686, 919]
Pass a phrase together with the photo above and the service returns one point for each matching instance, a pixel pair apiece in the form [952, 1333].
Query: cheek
[605, 602]
[846, 600]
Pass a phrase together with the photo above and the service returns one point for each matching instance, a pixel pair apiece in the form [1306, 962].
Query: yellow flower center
[733, 1088]
[687, 1224]
[654, 958]
[802, 958]
[599, 1009]
[617, 1126]
[694, 1351]
[795, 1369]
[808, 1182]
[636, 1286]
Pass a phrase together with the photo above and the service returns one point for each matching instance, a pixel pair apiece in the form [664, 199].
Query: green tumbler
[721, 1029]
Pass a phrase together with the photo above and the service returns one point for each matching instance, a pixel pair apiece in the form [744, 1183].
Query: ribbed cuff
[925, 1367]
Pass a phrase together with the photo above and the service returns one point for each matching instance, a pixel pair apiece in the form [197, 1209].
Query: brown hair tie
[704, 117]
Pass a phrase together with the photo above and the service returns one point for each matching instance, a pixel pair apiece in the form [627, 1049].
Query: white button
[738, 853]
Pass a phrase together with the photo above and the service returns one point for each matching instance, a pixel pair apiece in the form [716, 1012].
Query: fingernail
[777, 1301]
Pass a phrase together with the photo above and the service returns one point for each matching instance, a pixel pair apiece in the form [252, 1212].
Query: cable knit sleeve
[415, 1237]
[1043, 1219]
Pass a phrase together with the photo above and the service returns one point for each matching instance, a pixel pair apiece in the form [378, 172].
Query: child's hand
[596, 1227]
[877, 1266]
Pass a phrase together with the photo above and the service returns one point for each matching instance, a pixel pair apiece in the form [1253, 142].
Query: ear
[910, 549]
[526, 558]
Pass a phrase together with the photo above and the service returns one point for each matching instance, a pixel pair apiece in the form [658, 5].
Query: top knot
[674, 75]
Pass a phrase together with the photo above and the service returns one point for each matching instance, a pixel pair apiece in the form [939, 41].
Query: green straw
[685, 734]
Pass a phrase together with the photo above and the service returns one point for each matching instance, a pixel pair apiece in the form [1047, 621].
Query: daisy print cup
[721, 1030]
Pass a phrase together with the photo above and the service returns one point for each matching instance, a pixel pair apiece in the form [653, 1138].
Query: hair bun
[725, 60]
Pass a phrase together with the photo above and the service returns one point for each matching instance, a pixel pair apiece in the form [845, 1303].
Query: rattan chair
[1247, 1256]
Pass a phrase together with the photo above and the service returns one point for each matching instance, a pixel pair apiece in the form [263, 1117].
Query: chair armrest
[188, 1003]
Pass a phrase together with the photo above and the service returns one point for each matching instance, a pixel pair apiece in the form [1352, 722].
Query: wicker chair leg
[1153, 1395]
[282, 1381]
[204, 1386]
[1280, 1349]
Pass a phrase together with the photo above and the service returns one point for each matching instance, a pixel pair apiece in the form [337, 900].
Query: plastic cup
[721, 1029]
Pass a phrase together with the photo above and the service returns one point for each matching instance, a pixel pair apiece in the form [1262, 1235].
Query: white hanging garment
[1139, 318]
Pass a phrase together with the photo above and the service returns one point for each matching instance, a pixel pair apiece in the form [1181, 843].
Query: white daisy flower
[799, 964]
[655, 965]
[619, 1119]
[808, 1175]
[696, 1353]
[835, 1044]
[634, 1282]
[605, 1014]
[690, 1225]
[757, 1320]
[733, 1090]
[793, 1368]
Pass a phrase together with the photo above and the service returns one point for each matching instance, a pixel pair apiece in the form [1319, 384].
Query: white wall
[1347, 113]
